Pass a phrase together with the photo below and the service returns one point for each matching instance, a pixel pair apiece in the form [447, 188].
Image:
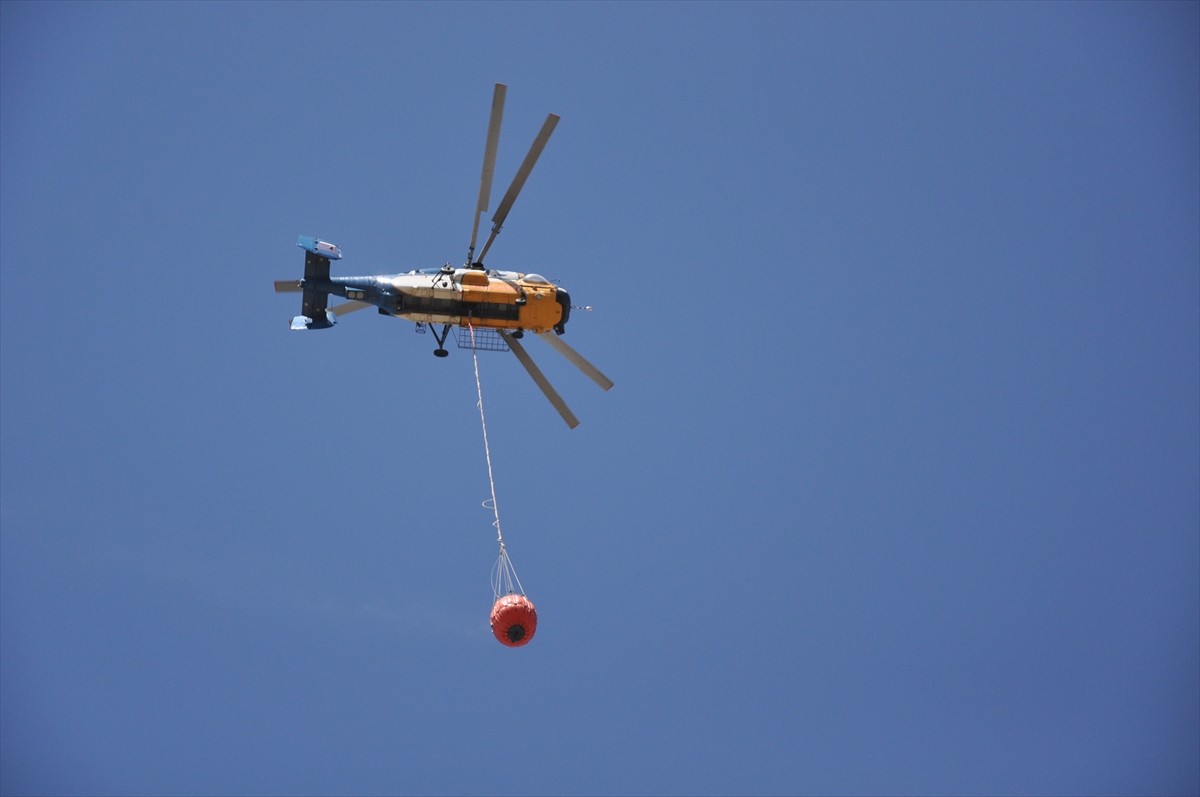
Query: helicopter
[495, 307]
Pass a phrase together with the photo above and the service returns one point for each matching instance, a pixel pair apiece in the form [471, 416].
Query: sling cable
[514, 618]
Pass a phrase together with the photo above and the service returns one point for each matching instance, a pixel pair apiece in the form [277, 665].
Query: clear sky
[898, 490]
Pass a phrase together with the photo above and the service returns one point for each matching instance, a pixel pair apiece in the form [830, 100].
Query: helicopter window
[537, 278]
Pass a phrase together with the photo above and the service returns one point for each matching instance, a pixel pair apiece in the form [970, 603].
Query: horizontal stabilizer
[316, 268]
[314, 304]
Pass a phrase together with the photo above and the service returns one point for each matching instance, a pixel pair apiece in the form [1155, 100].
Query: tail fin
[314, 307]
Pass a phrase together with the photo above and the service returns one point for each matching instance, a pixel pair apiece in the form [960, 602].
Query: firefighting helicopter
[492, 305]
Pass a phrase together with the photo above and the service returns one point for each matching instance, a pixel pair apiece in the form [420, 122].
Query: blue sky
[898, 490]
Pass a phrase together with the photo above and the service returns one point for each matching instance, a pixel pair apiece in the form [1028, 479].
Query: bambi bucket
[514, 620]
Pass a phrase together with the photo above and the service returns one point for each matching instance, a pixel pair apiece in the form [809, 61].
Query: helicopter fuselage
[458, 297]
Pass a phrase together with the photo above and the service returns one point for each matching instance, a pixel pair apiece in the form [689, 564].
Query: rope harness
[504, 575]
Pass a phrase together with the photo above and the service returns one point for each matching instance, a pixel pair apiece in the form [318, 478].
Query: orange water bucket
[514, 620]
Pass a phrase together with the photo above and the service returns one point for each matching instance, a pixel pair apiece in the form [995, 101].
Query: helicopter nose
[564, 301]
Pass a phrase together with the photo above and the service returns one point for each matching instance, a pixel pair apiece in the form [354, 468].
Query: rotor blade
[540, 379]
[288, 286]
[349, 307]
[489, 161]
[577, 359]
[535, 151]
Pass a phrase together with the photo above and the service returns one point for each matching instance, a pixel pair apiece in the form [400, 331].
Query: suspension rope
[504, 575]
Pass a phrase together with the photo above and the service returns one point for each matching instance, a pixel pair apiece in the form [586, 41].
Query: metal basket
[485, 339]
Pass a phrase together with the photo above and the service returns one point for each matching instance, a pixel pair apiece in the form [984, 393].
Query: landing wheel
[440, 353]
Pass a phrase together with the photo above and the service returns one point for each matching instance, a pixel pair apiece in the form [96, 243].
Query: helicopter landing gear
[440, 351]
